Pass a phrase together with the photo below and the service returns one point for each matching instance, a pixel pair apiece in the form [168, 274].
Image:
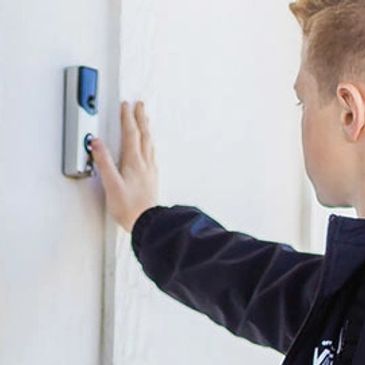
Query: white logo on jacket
[325, 353]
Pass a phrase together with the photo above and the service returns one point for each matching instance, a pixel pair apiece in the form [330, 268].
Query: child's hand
[133, 187]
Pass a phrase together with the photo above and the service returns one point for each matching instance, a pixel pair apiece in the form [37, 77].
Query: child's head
[331, 85]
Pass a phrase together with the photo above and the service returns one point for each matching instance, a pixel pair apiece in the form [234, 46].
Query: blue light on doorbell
[87, 92]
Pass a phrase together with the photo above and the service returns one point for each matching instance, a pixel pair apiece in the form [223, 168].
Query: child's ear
[352, 110]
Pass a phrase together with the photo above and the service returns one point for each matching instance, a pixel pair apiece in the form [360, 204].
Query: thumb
[110, 175]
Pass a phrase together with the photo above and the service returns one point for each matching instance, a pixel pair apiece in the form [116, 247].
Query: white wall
[217, 80]
[52, 228]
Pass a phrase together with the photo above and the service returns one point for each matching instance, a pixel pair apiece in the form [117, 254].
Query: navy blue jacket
[266, 292]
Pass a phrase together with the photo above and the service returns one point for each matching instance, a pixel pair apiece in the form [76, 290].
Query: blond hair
[335, 30]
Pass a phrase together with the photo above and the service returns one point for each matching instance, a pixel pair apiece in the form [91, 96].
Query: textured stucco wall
[52, 228]
[217, 81]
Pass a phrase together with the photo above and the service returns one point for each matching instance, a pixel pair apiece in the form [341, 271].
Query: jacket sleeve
[259, 290]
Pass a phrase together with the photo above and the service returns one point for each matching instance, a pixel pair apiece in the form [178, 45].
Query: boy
[307, 306]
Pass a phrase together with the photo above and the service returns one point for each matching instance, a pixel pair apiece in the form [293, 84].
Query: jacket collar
[345, 251]
[347, 229]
